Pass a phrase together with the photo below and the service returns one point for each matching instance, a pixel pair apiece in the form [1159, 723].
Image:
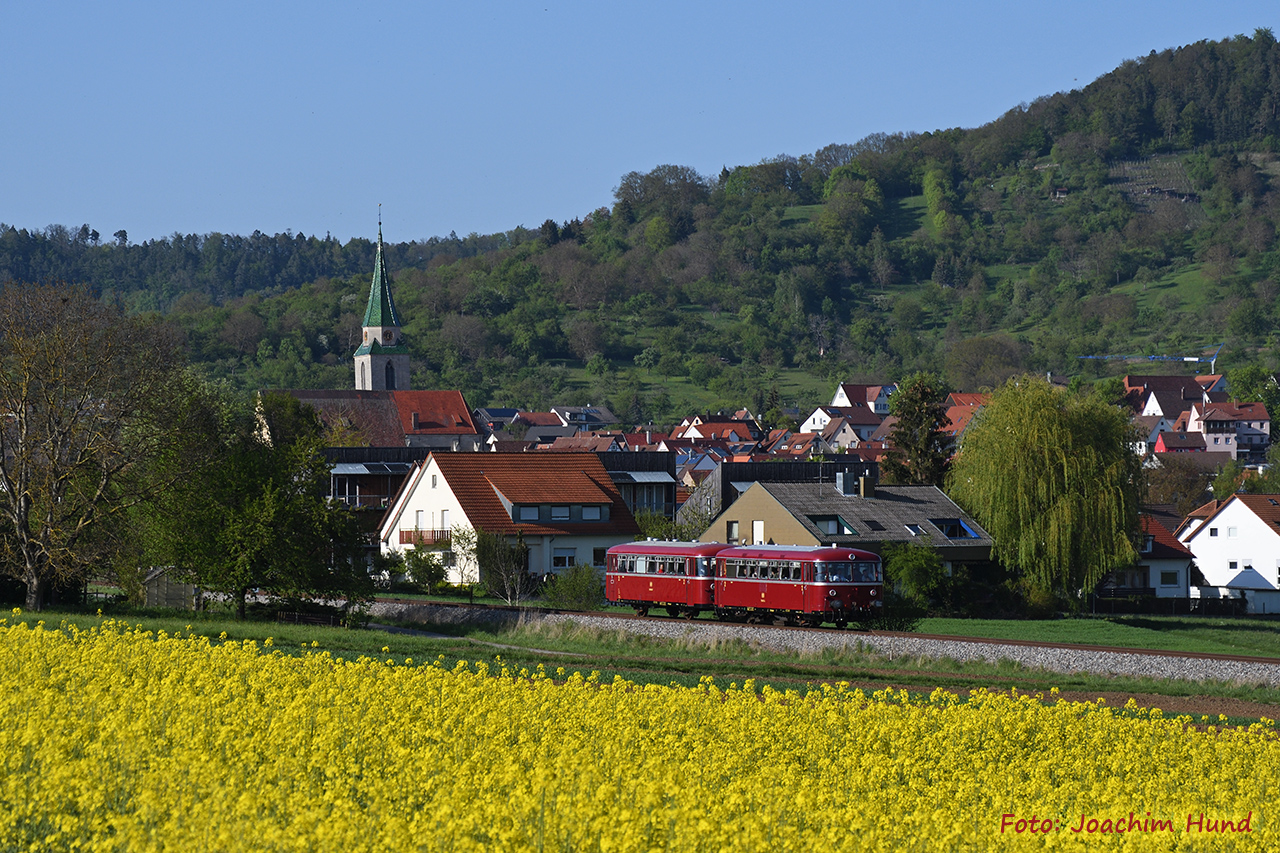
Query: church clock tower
[382, 361]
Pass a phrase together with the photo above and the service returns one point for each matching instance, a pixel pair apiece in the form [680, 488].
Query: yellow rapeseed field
[118, 739]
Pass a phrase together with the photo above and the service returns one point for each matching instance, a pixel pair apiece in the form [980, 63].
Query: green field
[1165, 633]
[648, 661]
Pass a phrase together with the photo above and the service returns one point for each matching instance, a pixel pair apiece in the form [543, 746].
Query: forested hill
[1137, 215]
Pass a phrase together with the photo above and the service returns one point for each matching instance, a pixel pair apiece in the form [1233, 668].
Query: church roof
[382, 308]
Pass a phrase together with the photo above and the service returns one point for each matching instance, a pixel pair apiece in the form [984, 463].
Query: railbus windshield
[832, 571]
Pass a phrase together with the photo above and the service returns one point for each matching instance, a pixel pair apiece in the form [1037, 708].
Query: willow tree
[1053, 478]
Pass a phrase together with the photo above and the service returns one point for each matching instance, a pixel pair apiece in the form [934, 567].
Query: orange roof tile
[1164, 540]
[480, 482]
[437, 412]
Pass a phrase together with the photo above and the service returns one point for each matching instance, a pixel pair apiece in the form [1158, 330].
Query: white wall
[1242, 538]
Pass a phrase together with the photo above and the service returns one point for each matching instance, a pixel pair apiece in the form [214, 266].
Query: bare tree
[503, 566]
[87, 397]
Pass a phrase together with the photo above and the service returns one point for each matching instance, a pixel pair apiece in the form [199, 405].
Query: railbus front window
[866, 572]
[834, 572]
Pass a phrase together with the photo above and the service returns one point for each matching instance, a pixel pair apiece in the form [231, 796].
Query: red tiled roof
[438, 413]
[539, 419]
[1165, 544]
[477, 480]
[591, 443]
[958, 398]
[1265, 507]
[1234, 412]
[959, 417]
[1184, 441]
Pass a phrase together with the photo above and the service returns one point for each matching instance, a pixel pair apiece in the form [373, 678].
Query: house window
[591, 513]
[563, 558]
[444, 519]
[434, 480]
[559, 513]
[1232, 565]
[832, 525]
[417, 519]
[873, 524]
[1168, 579]
[528, 513]
[731, 532]
[1213, 531]
[914, 529]
[757, 532]
[953, 528]
[598, 556]
[1231, 533]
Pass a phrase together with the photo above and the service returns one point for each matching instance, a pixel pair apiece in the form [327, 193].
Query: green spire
[382, 308]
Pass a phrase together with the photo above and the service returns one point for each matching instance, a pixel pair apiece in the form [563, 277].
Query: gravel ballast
[1055, 659]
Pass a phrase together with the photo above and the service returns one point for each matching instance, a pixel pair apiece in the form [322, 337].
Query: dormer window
[559, 513]
[1148, 542]
[591, 513]
[528, 513]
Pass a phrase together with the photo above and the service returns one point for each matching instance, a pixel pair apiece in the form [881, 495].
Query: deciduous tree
[1053, 478]
[258, 516]
[87, 398]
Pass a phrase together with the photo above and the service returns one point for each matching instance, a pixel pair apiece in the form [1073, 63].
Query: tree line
[1137, 214]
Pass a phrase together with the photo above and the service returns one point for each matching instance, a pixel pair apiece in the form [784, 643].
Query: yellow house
[826, 514]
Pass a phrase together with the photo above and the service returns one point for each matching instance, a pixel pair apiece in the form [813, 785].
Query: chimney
[844, 483]
[866, 487]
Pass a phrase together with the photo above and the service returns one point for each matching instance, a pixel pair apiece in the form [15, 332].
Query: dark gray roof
[902, 514]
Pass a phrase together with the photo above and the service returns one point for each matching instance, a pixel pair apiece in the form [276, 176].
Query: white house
[1163, 569]
[858, 417]
[564, 506]
[875, 396]
[1237, 549]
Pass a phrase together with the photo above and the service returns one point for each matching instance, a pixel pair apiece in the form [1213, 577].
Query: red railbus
[806, 585]
[752, 583]
[674, 575]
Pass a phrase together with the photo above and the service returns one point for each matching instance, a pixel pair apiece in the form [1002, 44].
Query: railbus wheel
[642, 611]
[675, 611]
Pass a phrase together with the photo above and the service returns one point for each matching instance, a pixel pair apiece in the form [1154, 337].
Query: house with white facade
[1236, 544]
[858, 417]
[1163, 570]
[565, 508]
[875, 396]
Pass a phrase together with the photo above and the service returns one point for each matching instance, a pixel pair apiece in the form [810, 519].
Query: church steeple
[382, 361]
[382, 308]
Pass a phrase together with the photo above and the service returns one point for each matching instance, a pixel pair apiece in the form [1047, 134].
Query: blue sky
[171, 117]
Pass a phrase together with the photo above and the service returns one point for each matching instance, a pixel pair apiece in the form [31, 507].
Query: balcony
[426, 538]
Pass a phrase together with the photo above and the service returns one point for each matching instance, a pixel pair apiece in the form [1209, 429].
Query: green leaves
[1053, 479]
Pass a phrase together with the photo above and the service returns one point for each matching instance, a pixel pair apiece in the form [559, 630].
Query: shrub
[579, 588]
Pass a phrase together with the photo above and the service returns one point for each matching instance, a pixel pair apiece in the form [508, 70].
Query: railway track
[681, 624]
